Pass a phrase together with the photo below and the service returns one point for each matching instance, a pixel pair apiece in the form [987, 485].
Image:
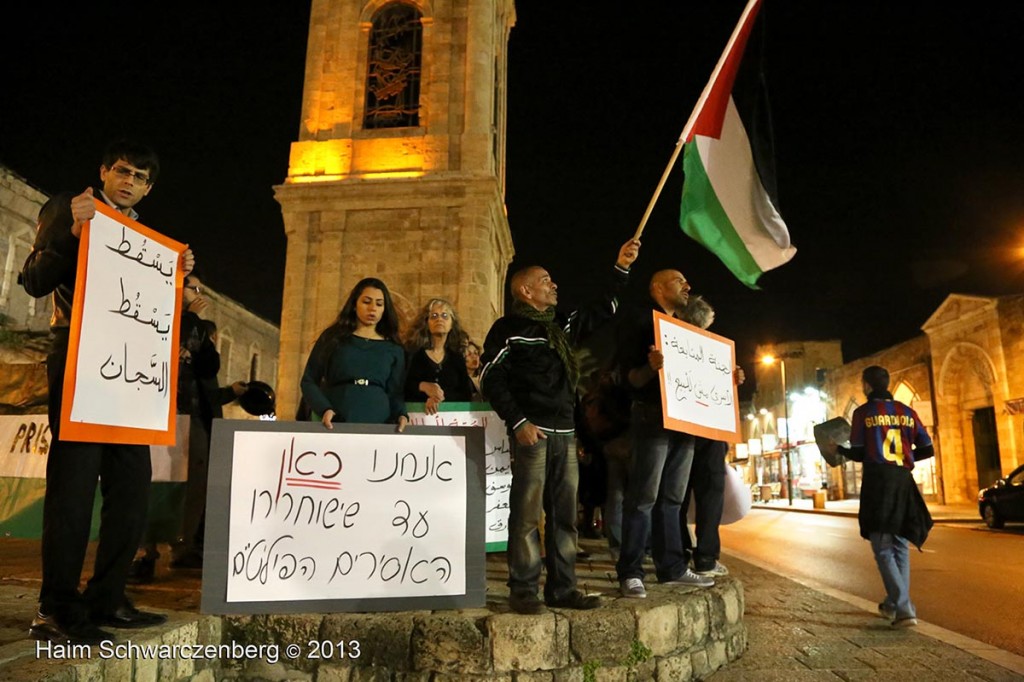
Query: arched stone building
[965, 378]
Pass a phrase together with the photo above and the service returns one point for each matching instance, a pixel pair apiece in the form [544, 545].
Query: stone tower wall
[422, 208]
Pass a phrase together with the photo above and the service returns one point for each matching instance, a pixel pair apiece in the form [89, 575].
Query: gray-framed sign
[301, 519]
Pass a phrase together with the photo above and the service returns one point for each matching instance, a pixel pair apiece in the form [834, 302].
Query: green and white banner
[24, 445]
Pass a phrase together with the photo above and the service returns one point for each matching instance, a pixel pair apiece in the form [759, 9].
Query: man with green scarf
[529, 376]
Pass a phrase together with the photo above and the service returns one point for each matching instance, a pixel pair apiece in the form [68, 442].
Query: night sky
[899, 149]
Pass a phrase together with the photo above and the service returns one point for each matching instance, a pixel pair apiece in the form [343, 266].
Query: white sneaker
[715, 571]
[632, 588]
[690, 578]
[887, 612]
[904, 622]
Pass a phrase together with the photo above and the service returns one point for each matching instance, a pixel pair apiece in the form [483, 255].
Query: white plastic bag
[736, 499]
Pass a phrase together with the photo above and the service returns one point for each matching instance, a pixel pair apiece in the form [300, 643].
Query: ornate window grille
[393, 68]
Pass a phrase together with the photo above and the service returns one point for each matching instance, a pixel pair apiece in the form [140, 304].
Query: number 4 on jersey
[893, 448]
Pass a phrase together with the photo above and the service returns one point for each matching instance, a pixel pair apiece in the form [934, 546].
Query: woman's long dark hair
[345, 325]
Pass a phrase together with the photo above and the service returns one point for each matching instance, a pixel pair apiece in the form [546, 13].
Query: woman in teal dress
[356, 368]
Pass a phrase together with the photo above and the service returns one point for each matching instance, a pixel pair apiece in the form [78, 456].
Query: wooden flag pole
[701, 101]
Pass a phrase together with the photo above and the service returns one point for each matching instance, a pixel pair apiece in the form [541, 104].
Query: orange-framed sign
[698, 393]
[120, 384]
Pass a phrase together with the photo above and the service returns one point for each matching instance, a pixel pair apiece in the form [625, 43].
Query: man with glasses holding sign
[127, 173]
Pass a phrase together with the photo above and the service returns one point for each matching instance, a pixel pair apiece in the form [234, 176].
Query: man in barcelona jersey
[888, 437]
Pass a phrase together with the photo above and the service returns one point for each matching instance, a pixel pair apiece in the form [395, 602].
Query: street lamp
[770, 360]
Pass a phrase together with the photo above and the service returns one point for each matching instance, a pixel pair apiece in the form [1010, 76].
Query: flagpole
[701, 101]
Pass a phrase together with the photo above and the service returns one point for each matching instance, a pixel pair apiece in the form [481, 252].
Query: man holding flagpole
[530, 376]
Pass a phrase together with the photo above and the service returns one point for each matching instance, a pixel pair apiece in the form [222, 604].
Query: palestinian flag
[729, 202]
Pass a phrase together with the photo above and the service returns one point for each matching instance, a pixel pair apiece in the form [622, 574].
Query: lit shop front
[762, 459]
[762, 462]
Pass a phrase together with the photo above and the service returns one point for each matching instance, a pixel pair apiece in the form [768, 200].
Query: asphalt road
[969, 579]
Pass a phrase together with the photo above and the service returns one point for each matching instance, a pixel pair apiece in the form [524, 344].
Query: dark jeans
[72, 471]
[707, 487]
[658, 474]
[618, 475]
[544, 477]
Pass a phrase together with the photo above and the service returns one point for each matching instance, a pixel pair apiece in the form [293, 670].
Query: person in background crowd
[436, 370]
[604, 428]
[356, 368]
[530, 376]
[198, 362]
[472, 352]
[707, 476]
[888, 437]
[127, 173]
[218, 396]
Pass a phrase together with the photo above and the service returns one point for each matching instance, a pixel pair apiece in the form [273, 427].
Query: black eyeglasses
[126, 173]
[434, 316]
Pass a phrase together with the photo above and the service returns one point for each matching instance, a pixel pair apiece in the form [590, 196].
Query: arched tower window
[393, 68]
[905, 393]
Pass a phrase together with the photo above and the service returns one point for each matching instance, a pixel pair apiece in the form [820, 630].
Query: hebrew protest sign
[360, 518]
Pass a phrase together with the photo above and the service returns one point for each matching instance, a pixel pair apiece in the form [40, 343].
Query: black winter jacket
[891, 503]
[524, 379]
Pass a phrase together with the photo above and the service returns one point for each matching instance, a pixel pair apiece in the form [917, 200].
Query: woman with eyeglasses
[354, 372]
[437, 369]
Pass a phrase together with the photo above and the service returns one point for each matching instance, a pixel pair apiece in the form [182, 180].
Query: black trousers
[707, 486]
[73, 471]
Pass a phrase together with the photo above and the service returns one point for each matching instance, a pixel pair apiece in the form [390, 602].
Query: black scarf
[557, 340]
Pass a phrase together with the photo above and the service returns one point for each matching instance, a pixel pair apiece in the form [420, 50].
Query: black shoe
[575, 600]
[526, 603]
[141, 571]
[131, 618]
[49, 629]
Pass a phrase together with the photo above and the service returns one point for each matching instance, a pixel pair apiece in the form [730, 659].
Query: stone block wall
[424, 238]
[19, 210]
[670, 638]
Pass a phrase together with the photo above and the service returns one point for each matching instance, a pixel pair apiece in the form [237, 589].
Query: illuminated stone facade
[965, 378]
[248, 344]
[421, 207]
[909, 365]
[19, 209]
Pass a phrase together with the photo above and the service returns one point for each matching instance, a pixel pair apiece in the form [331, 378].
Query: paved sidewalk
[941, 513]
[796, 633]
[795, 630]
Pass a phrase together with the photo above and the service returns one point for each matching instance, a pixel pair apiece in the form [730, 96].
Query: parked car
[1003, 500]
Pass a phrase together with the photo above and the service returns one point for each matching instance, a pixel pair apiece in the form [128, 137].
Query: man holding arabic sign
[660, 467]
[127, 173]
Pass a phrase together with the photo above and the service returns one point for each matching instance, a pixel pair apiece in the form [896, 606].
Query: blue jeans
[892, 555]
[544, 477]
[658, 474]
